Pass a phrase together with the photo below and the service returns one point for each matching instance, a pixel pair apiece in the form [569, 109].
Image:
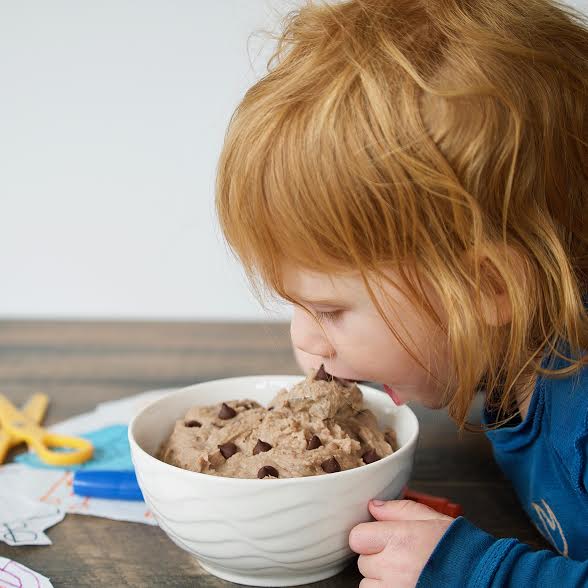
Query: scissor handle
[82, 449]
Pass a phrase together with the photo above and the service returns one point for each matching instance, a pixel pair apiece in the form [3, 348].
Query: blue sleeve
[467, 557]
[582, 453]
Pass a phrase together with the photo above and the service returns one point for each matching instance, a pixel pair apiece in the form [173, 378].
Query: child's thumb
[403, 510]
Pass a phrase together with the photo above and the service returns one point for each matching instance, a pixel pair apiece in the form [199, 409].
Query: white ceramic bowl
[280, 532]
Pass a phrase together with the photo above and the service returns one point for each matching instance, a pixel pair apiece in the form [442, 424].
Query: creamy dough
[318, 426]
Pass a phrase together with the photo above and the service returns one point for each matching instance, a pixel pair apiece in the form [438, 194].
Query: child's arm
[468, 557]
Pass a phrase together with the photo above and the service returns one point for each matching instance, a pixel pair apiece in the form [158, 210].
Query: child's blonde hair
[443, 138]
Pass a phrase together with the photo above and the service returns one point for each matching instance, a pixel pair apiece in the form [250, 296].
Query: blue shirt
[546, 458]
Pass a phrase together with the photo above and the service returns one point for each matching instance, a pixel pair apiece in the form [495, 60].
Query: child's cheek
[305, 361]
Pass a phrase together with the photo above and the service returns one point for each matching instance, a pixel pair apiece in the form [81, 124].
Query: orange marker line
[54, 486]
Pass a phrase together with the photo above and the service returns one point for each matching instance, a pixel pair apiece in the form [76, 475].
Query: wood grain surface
[82, 363]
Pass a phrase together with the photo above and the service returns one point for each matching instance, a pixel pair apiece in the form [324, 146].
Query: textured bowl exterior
[280, 532]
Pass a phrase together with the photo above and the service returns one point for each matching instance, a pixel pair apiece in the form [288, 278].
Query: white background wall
[112, 115]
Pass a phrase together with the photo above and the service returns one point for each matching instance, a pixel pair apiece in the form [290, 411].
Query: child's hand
[395, 548]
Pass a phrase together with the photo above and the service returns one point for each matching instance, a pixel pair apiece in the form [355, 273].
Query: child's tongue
[393, 395]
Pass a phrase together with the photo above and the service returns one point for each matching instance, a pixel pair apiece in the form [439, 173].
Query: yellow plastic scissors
[23, 426]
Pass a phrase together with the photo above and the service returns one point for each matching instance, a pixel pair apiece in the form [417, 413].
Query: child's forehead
[317, 287]
[341, 288]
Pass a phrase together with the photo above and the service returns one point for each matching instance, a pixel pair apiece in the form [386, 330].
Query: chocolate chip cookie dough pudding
[319, 426]
[261, 478]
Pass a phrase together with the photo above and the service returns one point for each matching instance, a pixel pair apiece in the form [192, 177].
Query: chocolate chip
[228, 449]
[313, 442]
[267, 471]
[192, 424]
[261, 446]
[226, 412]
[331, 465]
[322, 374]
[270, 408]
[370, 456]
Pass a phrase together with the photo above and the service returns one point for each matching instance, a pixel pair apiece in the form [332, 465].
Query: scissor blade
[36, 407]
[5, 445]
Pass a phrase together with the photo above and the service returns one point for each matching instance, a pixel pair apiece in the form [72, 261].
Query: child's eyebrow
[325, 301]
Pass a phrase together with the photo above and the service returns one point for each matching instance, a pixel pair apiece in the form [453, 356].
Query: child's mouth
[322, 374]
[397, 400]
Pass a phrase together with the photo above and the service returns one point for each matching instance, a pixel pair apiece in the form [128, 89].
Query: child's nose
[308, 336]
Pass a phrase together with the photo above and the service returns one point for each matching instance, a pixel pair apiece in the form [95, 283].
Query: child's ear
[496, 308]
[496, 305]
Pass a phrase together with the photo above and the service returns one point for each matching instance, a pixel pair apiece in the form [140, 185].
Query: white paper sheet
[23, 520]
[108, 413]
[15, 575]
[53, 488]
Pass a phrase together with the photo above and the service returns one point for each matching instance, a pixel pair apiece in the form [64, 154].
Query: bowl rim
[407, 447]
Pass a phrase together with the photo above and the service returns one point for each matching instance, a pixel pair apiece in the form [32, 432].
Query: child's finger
[370, 566]
[403, 510]
[370, 583]
[370, 538]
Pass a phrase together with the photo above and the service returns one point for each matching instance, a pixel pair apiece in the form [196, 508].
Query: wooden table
[82, 363]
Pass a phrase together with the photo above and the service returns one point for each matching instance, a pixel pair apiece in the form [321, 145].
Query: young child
[412, 176]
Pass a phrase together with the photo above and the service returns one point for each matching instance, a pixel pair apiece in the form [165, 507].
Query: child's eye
[331, 316]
